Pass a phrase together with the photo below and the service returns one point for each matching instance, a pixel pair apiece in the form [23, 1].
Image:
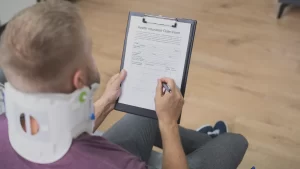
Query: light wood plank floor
[245, 68]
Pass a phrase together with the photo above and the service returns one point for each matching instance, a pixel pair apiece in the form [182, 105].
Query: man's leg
[138, 135]
[226, 151]
[190, 139]
[135, 134]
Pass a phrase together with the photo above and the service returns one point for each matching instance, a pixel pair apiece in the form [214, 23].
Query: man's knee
[238, 141]
[136, 118]
[242, 140]
[134, 121]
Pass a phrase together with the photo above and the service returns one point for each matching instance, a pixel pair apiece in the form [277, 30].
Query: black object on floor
[284, 4]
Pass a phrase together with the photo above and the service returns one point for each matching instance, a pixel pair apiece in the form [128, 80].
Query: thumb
[121, 76]
[159, 91]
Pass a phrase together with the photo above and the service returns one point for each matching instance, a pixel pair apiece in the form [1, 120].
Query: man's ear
[79, 79]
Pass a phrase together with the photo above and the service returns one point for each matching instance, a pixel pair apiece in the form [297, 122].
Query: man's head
[45, 48]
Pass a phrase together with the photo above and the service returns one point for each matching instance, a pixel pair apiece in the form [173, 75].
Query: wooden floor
[245, 68]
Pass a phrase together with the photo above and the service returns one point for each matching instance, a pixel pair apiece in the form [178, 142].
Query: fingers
[174, 89]
[118, 94]
[159, 88]
[118, 78]
[113, 78]
[170, 82]
[121, 77]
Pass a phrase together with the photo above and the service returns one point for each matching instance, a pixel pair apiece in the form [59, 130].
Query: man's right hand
[168, 105]
[168, 108]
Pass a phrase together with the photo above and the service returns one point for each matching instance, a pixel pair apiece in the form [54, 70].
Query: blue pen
[165, 85]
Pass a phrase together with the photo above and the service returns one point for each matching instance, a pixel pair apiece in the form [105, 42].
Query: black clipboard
[146, 112]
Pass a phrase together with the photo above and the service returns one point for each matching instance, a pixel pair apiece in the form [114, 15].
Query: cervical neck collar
[60, 117]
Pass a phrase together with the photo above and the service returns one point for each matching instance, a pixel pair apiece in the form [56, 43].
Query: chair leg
[281, 10]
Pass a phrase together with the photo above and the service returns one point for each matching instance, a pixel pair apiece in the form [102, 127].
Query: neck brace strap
[60, 117]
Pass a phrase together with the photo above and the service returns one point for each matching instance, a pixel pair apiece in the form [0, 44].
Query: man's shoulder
[5, 147]
[97, 151]
[2, 116]
[3, 128]
[3, 123]
[87, 151]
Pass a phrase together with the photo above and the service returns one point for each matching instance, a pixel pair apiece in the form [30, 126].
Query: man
[45, 49]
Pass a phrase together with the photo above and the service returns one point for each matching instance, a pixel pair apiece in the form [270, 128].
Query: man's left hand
[113, 90]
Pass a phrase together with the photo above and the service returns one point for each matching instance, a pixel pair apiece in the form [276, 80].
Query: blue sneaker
[219, 128]
[205, 129]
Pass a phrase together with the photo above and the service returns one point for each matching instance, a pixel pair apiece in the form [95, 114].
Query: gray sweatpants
[138, 135]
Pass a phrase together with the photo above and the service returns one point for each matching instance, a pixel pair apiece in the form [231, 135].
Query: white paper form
[152, 52]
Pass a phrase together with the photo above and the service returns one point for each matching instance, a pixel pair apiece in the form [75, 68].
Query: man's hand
[108, 100]
[168, 105]
[113, 90]
[168, 108]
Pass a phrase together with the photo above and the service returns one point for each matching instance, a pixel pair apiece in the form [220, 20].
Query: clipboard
[171, 23]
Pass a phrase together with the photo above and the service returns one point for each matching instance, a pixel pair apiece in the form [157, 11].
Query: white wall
[8, 8]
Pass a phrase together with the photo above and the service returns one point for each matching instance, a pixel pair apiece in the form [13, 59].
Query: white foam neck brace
[60, 117]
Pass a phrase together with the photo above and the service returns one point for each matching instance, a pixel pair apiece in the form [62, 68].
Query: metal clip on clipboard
[160, 20]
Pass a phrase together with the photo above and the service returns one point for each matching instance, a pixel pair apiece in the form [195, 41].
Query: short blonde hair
[43, 42]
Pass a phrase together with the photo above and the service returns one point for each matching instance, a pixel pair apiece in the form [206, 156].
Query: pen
[166, 87]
